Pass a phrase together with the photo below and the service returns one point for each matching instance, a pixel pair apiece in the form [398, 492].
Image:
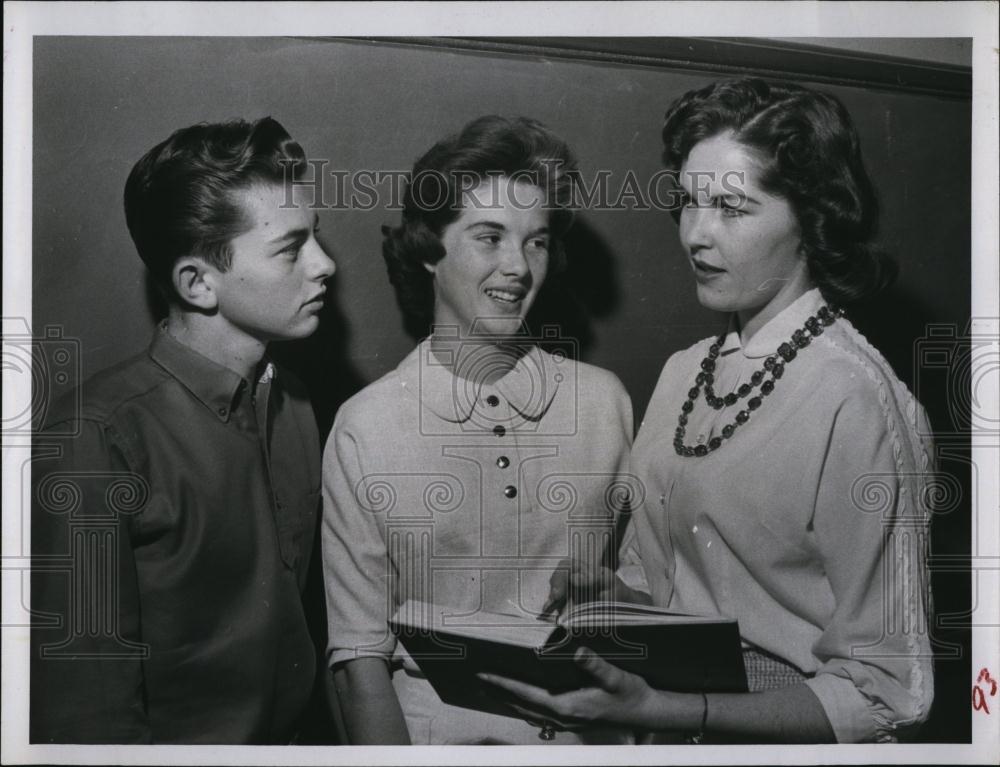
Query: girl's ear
[193, 281]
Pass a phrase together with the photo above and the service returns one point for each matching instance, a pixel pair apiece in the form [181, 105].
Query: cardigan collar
[529, 387]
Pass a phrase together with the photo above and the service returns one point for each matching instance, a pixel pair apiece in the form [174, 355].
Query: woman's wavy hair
[179, 197]
[488, 147]
[812, 158]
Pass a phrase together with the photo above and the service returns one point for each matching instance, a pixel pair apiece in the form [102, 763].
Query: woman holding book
[459, 480]
[784, 463]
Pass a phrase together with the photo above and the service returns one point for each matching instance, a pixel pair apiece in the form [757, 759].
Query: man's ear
[192, 279]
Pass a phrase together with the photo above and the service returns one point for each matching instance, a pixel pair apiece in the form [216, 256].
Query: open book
[671, 651]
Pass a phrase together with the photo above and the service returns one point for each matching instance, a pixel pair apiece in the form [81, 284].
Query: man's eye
[539, 242]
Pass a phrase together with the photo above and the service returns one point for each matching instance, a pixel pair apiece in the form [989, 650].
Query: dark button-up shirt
[173, 517]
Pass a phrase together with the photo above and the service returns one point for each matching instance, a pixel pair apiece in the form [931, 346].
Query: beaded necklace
[773, 365]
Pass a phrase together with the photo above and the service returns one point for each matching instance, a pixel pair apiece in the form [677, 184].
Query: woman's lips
[702, 269]
[505, 297]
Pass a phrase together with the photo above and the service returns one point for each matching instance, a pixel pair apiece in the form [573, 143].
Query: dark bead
[797, 335]
[727, 430]
[824, 312]
[713, 350]
[753, 403]
[709, 379]
[701, 450]
[687, 407]
[767, 387]
[818, 330]
[678, 449]
[744, 390]
[693, 392]
[787, 352]
[682, 419]
[730, 399]
[699, 379]
[742, 417]
[828, 319]
[778, 371]
[688, 451]
[757, 377]
[812, 323]
[769, 363]
[714, 443]
[493, 400]
[499, 430]
[707, 365]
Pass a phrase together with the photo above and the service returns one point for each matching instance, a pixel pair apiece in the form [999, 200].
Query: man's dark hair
[180, 198]
[811, 157]
[488, 147]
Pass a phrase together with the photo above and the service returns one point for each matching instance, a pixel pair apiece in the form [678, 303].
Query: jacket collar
[529, 387]
[215, 386]
[777, 330]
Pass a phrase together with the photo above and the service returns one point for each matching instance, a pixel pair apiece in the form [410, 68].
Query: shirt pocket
[296, 522]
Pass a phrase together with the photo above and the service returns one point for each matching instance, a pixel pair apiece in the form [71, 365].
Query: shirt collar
[215, 386]
[777, 330]
[529, 387]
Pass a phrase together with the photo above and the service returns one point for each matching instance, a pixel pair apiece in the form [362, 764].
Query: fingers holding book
[576, 581]
[609, 695]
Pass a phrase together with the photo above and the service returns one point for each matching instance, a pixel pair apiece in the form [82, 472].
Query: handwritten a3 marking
[979, 693]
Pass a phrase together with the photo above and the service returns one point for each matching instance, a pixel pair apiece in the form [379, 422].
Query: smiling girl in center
[471, 471]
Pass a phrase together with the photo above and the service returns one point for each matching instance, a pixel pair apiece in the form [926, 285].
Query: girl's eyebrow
[486, 225]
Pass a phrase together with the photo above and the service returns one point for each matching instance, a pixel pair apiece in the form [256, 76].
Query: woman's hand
[615, 697]
[574, 582]
[787, 715]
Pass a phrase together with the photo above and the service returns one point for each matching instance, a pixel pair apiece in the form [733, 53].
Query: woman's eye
[539, 243]
[490, 239]
[732, 207]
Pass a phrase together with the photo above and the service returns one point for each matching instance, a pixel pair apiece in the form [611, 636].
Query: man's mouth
[317, 299]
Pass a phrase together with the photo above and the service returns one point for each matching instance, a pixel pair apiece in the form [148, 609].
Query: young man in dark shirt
[174, 510]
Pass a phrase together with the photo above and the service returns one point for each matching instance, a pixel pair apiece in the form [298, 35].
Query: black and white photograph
[607, 383]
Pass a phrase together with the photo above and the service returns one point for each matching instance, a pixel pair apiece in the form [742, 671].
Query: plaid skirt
[769, 672]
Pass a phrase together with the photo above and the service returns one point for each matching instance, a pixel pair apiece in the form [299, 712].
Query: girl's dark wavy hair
[179, 197]
[812, 158]
[488, 147]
